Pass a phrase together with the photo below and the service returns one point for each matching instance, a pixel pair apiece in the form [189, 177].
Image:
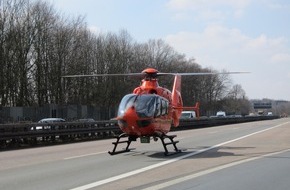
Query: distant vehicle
[86, 120]
[234, 116]
[221, 114]
[270, 113]
[51, 120]
[47, 120]
[187, 115]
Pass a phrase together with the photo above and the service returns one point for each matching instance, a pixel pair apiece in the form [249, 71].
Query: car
[47, 120]
[221, 114]
[188, 115]
[270, 113]
[51, 120]
[85, 120]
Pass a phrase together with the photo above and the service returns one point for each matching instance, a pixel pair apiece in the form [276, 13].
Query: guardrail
[31, 134]
[216, 121]
[44, 133]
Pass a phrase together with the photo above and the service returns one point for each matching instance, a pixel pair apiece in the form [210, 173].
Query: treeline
[39, 45]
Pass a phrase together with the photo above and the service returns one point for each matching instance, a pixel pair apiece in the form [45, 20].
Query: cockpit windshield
[146, 105]
[126, 103]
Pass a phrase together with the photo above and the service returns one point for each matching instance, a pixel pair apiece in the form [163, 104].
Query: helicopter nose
[129, 118]
[130, 114]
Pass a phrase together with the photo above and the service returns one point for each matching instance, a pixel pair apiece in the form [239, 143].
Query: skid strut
[128, 141]
[171, 141]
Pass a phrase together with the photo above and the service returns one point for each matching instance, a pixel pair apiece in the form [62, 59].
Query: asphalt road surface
[252, 155]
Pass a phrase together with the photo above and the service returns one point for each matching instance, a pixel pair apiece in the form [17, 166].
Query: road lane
[269, 171]
[219, 177]
[245, 148]
[75, 165]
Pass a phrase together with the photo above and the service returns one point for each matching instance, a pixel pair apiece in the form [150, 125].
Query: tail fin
[177, 103]
[195, 108]
[176, 96]
[176, 100]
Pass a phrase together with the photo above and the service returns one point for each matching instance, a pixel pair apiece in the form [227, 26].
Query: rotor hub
[150, 73]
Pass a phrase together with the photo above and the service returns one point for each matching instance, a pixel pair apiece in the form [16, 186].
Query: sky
[231, 35]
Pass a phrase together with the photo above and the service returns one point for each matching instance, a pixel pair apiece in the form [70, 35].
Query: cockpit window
[146, 105]
[126, 102]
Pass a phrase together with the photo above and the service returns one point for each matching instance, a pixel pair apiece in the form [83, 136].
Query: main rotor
[151, 73]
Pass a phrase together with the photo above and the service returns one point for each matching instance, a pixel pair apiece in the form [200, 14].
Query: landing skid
[123, 135]
[170, 137]
[155, 136]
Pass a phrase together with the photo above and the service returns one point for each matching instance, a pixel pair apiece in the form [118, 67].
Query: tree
[39, 45]
[236, 101]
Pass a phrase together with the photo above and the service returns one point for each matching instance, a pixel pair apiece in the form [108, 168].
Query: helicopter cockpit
[145, 105]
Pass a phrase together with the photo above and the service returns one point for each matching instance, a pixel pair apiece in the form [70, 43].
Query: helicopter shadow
[154, 154]
[201, 152]
[217, 152]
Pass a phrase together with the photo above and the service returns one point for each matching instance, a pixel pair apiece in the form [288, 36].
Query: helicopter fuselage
[147, 111]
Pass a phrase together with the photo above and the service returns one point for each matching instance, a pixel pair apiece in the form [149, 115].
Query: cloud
[208, 10]
[280, 57]
[220, 48]
[278, 5]
[202, 4]
[216, 41]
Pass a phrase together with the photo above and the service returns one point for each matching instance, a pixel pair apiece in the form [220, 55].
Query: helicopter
[150, 110]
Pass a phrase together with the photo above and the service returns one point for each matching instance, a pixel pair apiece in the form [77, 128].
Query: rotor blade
[102, 75]
[198, 74]
[158, 74]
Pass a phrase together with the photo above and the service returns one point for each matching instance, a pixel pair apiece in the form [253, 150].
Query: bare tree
[39, 45]
[236, 101]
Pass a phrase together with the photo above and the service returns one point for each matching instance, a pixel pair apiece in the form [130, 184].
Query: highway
[254, 155]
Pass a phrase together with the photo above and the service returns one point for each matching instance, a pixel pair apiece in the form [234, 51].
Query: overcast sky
[232, 35]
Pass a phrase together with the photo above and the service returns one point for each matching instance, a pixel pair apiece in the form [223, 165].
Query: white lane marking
[84, 155]
[128, 174]
[205, 172]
